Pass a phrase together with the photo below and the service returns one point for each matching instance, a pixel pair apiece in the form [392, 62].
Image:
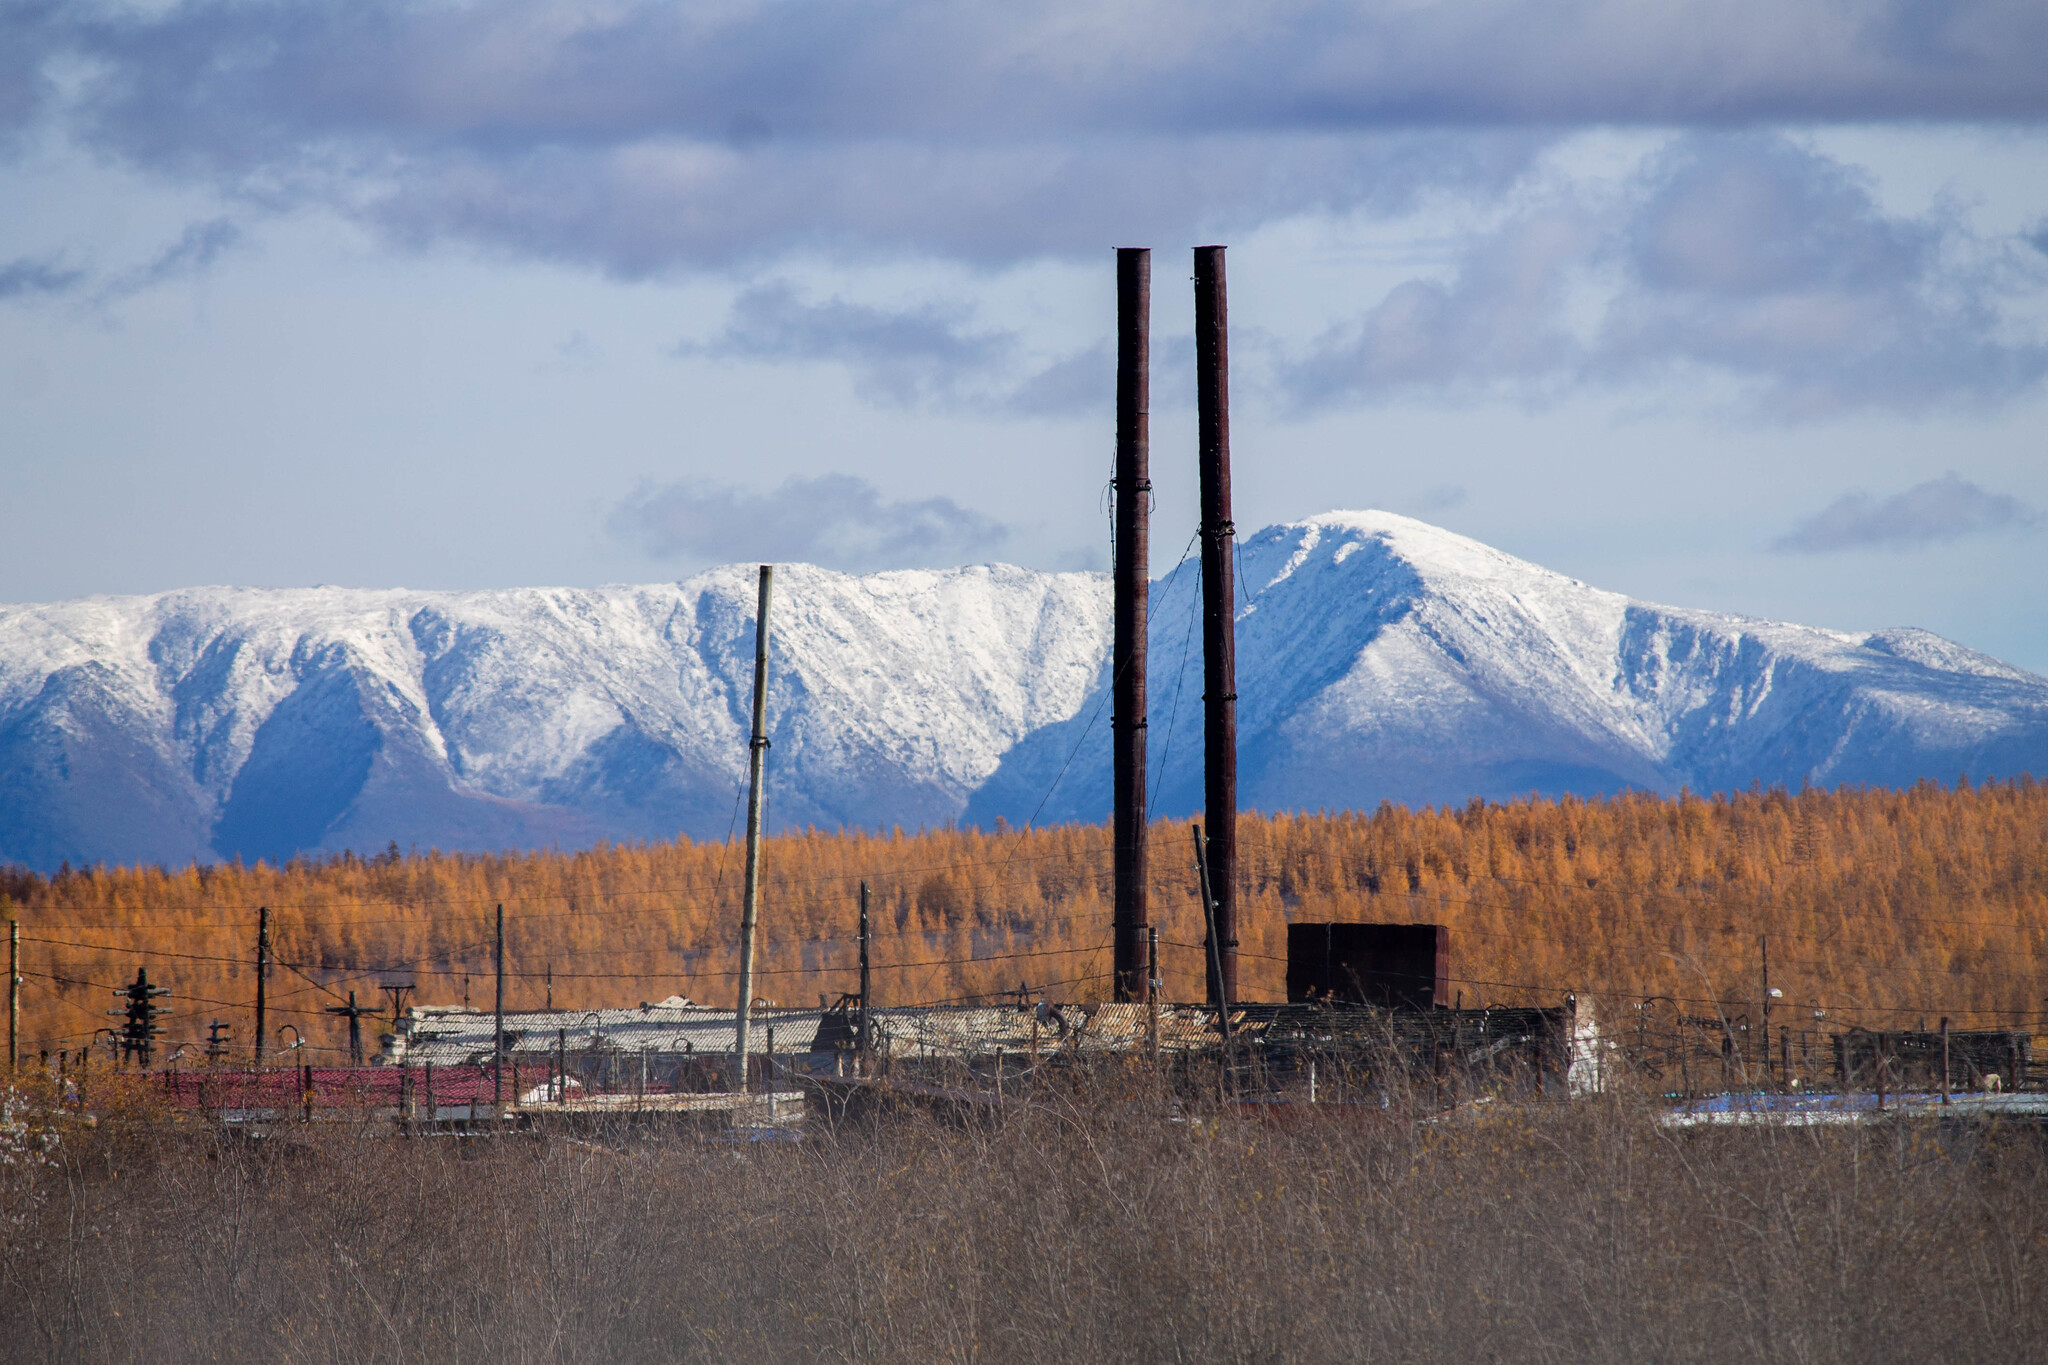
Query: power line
[479, 948]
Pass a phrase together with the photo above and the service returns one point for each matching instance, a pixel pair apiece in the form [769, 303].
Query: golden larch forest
[1884, 908]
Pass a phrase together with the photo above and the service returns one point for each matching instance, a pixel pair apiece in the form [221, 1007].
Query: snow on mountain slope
[1378, 658]
[216, 722]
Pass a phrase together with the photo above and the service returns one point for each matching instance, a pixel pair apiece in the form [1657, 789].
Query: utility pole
[1219, 613]
[138, 1035]
[1203, 853]
[1132, 486]
[1763, 950]
[498, 1020]
[354, 1014]
[757, 755]
[262, 975]
[13, 997]
[1152, 992]
[1944, 1059]
[867, 984]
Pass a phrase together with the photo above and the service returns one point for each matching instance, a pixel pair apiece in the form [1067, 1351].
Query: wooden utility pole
[757, 755]
[354, 1014]
[1763, 950]
[262, 976]
[1131, 970]
[1152, 991]
[1944, 1060]
[13, 997]
[1204, 852]
[1219, 613]
[867, 983]
[498, 1019]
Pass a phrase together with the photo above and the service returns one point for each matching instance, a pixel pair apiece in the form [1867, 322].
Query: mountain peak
[1379, 657]
[1436, 553]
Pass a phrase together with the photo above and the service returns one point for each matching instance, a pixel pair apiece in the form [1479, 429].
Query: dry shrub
[1082, 1228]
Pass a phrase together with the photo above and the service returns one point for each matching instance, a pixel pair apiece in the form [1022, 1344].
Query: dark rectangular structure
[1396, 966]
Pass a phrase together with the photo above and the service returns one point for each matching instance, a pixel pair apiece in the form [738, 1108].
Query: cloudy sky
[1738, 304]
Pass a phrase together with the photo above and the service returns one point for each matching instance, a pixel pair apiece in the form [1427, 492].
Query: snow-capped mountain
[1378, 658]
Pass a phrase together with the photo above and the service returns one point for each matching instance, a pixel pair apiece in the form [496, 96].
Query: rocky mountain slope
[1379, 658]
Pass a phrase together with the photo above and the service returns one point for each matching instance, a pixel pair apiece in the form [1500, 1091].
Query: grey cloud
[834, 519]
[1443, 497]
[574, 354]
[28, 35]
[197, 248]
[1082, 382]
[1762, 260]
[1943, 509]
[903, 357]
[1754, 217]
[1742, 255]
[1500, 320]
[639, 208]
[542, 71]
[642, 134]
[929, 355]
[27, 275]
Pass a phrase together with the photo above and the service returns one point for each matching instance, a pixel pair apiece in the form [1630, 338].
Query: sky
[1732, 304]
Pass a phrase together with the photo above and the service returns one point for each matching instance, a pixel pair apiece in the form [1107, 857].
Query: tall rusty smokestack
[1219, 613]
[1133, 489]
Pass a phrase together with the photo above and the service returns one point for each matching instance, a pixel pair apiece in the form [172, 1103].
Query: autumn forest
[1880, 907]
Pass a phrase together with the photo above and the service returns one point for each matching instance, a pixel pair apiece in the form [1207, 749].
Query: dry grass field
[1089, 1226]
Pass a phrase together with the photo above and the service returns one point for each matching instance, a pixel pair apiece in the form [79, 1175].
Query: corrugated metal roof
[973, 1030]
[454, 1035]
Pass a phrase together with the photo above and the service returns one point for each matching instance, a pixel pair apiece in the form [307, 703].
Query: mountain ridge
[1379, 658]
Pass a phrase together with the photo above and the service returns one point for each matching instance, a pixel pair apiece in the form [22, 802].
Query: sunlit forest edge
[1884, 908]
